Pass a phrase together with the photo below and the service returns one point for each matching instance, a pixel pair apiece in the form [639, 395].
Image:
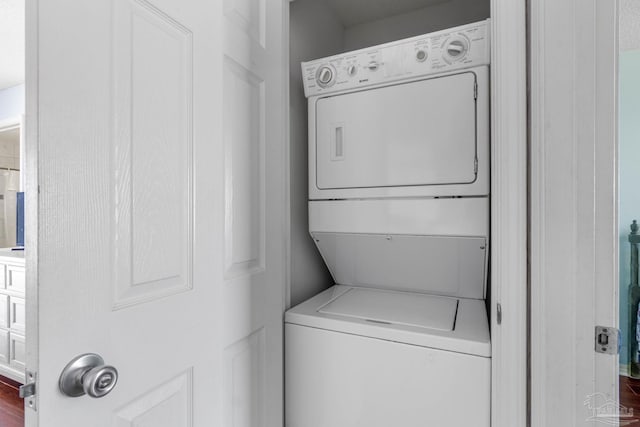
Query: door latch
[28, 390]
[607, 340]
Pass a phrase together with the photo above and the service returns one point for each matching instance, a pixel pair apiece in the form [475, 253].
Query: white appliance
[423, 131]
[399, 210]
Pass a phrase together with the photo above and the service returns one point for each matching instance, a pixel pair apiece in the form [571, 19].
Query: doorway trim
[509, 208]
[574, 244]
[509, 213]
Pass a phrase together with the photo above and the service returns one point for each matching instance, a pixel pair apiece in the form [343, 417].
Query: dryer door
[411, 134]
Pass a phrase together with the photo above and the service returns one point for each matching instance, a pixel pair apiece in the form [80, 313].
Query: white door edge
[509, 213]
[31, 190]
[287, 153]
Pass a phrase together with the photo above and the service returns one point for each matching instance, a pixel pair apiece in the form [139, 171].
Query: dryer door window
[412, 134]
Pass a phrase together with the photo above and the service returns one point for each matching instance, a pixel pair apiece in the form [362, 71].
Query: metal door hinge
[499, 313]
[28, 390]
[475, 166]
[607, 340]
[475, 90]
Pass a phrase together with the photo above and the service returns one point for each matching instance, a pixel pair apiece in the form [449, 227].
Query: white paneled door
[159, 244]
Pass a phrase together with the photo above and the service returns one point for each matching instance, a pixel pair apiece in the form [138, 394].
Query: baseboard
[9, 382]
[12, 374]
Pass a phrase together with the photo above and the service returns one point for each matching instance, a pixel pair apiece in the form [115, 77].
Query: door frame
[574, 243]
[509, 208]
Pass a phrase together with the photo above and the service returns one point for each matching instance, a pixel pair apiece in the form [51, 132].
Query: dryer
[404, 119]
[399, 211]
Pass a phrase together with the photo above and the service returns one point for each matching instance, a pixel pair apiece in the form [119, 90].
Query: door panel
[17, 351]
[4, 346]
[254, 263]
[158, 247]
[167, 404]
[153, 154]
[420, 133]
[15, 279]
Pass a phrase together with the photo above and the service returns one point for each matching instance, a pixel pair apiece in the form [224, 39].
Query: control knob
[456, 49]
[325, 76]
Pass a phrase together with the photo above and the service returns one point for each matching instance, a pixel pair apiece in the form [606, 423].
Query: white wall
[11, 102]
[314, 33]
[432, 18]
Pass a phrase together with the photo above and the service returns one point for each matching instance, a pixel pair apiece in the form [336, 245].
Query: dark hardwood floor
[11, 406]
[630, 399]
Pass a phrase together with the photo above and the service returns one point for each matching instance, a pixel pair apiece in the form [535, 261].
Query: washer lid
[470, 334]
[399, 308]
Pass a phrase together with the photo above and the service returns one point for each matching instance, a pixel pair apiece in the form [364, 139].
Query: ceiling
[629, 24]
[11, 43]
[355, 12]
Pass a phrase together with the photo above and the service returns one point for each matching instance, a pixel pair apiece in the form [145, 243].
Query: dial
[456, 49]
[421, 55]
[373, 66]
[325, 76]
[352, 70]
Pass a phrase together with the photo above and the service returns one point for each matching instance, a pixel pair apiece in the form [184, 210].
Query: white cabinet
[12, 315]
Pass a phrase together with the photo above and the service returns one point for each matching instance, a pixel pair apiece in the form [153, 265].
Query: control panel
[439, 52]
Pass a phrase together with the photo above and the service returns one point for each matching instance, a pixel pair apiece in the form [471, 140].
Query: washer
[399, 211]
[366, 357]
[403, 337]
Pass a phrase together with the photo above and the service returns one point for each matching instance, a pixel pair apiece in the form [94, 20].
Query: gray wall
[314, 33]
[426, 20]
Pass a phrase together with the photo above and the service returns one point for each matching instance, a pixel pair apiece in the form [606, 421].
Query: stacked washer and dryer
[399, 163]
